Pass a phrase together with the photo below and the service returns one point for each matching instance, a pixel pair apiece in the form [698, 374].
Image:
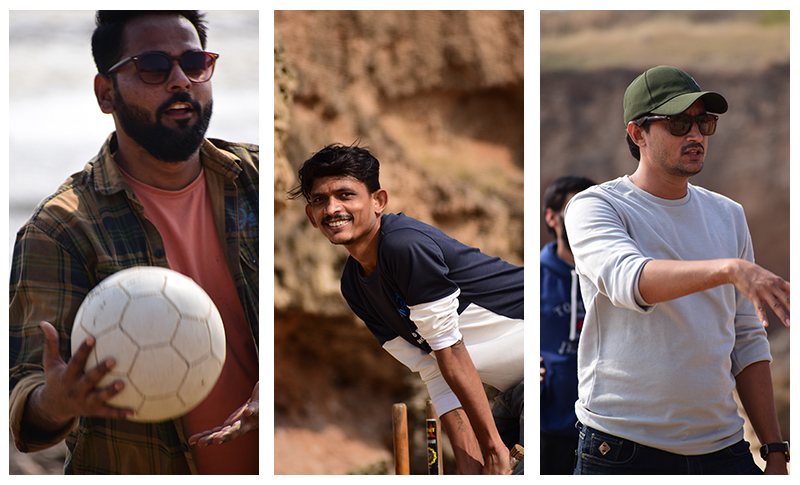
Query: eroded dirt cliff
[438, 99]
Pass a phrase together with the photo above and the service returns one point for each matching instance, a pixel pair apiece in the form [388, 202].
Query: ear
[310, 216]
[550, 217]
[104, 92]
[380, 198]
[636, 133]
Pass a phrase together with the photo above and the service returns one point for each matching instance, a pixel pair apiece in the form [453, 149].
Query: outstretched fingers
[70, 389]
[763, 288]
[776, 296]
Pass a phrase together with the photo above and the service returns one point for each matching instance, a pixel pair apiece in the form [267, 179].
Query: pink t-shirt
[186, 224]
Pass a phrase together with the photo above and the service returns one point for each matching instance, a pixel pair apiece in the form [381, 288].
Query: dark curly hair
[337, 160]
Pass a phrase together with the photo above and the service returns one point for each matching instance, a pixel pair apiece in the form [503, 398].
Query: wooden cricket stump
[432, 427]
[400, 438]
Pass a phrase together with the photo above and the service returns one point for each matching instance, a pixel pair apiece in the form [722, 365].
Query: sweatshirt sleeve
[437, 321]
[604, 251]
[751, 343]
[443, 398]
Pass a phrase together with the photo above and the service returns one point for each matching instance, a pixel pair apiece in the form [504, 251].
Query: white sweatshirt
[661, 375]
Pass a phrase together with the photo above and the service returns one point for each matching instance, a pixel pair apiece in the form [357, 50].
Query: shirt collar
[108, 179]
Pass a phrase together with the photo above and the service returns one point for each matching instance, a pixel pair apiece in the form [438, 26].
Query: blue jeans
[509, 417]
[604, 454]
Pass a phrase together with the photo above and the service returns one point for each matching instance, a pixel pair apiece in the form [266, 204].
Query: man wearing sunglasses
[675, 306]
[158, 194]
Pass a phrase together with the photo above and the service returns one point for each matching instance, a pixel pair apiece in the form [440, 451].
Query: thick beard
[164, 143]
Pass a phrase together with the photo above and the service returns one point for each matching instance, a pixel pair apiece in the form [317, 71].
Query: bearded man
[157, 194]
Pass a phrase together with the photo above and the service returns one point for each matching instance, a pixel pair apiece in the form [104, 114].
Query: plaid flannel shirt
[92, 227]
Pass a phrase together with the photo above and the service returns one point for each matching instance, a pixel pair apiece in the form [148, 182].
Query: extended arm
[460, 374]
[465, 444]
[614, 238]
[754, 385]
[445, 397]
[663, 280]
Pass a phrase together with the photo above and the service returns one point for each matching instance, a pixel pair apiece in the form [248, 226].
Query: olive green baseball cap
[666, 90]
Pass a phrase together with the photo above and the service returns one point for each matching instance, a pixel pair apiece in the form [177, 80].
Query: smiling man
[445, 310]
[675, 306]
[158, 194]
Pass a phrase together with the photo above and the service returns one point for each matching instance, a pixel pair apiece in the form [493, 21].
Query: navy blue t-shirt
[418, 263]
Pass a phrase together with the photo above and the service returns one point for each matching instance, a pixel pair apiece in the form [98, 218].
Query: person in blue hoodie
[561, 319]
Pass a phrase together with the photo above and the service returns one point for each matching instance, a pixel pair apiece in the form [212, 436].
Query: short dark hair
[107, 36]
[337, 160]
[556, 194]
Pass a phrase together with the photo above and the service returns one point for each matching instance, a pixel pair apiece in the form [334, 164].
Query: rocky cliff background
[438, 98]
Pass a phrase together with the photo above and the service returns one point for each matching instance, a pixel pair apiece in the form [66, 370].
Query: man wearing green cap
[675, 306]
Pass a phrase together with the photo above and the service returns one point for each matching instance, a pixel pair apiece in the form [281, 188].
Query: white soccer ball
[165, 334]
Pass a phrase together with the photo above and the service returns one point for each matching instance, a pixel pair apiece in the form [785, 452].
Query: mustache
[693, 145]
[182, 97]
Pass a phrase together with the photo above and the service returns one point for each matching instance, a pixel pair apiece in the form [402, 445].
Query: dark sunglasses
[155, 68]
[680, 125]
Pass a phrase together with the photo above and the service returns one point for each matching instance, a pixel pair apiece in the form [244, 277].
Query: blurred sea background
[55, 125]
